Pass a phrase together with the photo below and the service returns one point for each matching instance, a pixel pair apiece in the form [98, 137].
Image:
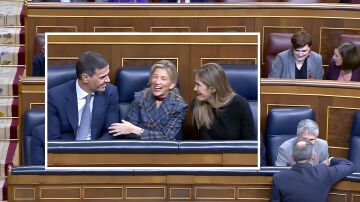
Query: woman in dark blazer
[345, 64]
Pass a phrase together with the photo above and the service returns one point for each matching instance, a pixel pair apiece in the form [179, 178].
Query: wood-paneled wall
[334, 103]
[325, 22]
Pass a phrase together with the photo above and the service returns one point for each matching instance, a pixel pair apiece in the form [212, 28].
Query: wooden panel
[226, 28]
[215, 193]
[170, 159]
[22, 193]
[254, 193]
[170, 29]
[145, 193]
[57, 192]
[339, 123]
[336, 197]
[113, 29]
[355, 198]
[103, 192]
[180, 193]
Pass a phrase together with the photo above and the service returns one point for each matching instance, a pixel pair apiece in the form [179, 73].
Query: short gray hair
[302, 150]
[307, 125]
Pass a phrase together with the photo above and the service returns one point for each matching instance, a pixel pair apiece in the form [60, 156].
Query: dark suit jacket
[38, 65]
[334, 71]
[37, 145]
[63, 112]
[307, 183]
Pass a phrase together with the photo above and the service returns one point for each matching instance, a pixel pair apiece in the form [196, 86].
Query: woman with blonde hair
[218, 112]
[158, 111]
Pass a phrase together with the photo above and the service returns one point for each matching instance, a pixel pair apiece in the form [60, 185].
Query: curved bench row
[155, 184]
[153, 153]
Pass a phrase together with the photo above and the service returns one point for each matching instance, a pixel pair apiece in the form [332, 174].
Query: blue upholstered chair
[354, 147]
[59, 74]
[128, 81]
[244, 81]
[281, 126]
[32, 118]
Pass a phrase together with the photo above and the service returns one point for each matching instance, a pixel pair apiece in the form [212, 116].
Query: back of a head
[88, 62]
[301, 39]
[350, 55]
[307, 125]
[302, 151]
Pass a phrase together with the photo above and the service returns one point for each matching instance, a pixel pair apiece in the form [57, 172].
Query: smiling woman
[218, 112]
[158, 111]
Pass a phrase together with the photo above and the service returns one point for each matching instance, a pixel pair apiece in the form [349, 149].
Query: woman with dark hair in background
[345, 64]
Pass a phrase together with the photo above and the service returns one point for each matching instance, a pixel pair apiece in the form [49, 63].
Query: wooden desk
[154, 185]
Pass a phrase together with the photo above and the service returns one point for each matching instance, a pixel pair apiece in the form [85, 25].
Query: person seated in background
[218, 112]
[38, 63]
[299, 62]
[84, 108]
[306, 182]
[157, 112]
[37, 145]
[345, 64]
[308, 130]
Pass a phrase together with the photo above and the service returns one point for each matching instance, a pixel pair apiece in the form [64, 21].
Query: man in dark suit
[68, 101]
[305, 182]
[37, 154]
[38, 63]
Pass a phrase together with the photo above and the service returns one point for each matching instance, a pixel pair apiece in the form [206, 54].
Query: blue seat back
[128, 81]
[32, 118]
[354, 147]
[59, 74]
[281, 126]
[243, 79]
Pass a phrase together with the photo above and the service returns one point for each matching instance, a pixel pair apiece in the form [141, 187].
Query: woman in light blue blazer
[299, 62]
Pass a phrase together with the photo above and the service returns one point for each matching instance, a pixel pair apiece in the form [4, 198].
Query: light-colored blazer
[284, 66]
[284, 157]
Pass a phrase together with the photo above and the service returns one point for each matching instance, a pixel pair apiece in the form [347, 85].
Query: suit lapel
[98, 106]
[72, 108]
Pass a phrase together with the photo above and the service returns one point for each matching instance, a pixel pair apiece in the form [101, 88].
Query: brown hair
[212, 75]
[300, 39]
[350, 56]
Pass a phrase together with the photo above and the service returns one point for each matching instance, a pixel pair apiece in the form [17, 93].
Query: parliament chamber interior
[243, 37]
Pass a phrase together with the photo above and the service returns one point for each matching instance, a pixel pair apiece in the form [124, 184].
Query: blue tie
[85, 123]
